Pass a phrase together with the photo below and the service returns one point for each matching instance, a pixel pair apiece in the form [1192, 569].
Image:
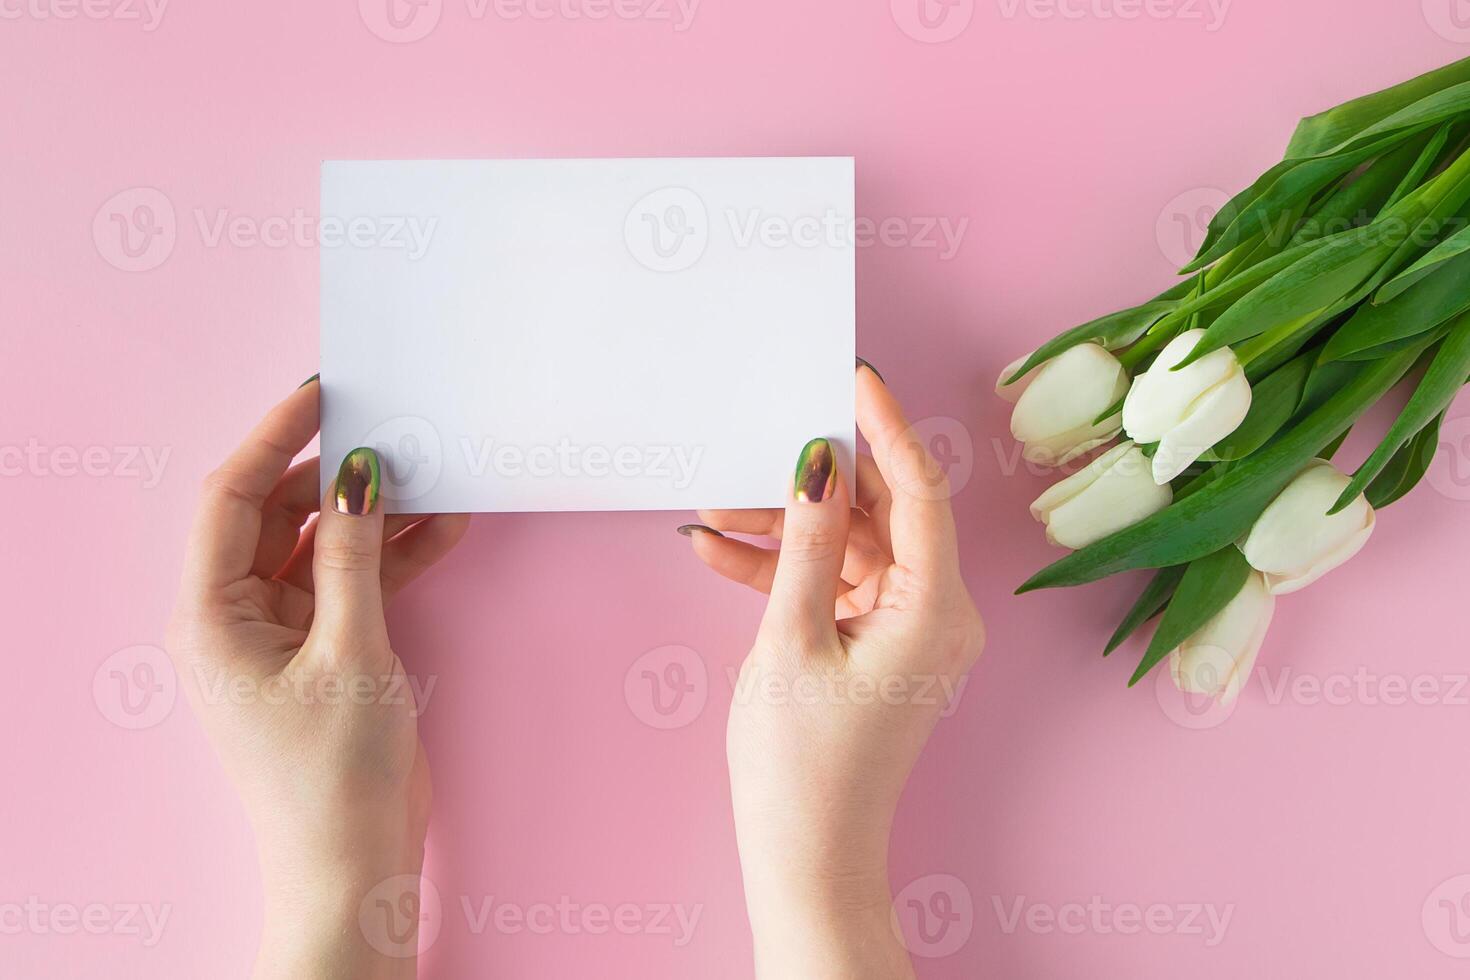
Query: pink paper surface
[1059, 826]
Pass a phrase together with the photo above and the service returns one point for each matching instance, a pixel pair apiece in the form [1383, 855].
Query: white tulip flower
[1294, 542]
[1186, 411]
[1217, 659]
[1112, 492]
[1055, 415]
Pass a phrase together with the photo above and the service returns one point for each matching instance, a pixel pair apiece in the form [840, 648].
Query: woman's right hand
[868, 631]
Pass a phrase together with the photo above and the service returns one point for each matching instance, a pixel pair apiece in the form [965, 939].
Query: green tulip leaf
[1289, 182]
[1382, 184]
[1453, 246]
[1150, 604]
[1442, 381]
[1407, 467]
[1424, 161]
[1330, 450]
[1367, 127]
[1321, 132]
[1244, 281]
[1283, 187]
[1434, 108]
[1299, 295]
[1422, 216]
[1427, 338]
[1262, 355]
[1207, 587]
[1399, 231]
[1439, 296]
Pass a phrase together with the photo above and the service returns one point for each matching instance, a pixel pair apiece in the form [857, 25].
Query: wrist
[826, 860]
[341, 905]
[825, 930]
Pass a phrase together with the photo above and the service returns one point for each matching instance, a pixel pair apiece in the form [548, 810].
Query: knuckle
[916, 472]
[346, 556]
[906, 583]
[807, 544]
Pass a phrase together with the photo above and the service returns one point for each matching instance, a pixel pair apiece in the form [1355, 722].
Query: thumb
[813, 543]
[348, 556]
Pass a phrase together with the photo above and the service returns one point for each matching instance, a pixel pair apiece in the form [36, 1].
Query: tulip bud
[1295, 542]
[1012, 392]
[1186, 411]
[1217, 658]
[1112, 492]
[1054, 415]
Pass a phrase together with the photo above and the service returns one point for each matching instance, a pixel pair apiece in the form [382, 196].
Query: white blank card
[575, 335]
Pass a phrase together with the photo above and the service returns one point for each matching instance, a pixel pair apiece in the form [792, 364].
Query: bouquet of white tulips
[1317, 289]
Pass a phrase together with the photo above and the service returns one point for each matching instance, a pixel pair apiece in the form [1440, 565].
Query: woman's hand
[279, 638]
[868, 630]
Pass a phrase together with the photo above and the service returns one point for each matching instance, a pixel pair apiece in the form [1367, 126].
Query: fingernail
[358, 483]
[864, 364]
[688, 530]
[314, 377]
[816, 472]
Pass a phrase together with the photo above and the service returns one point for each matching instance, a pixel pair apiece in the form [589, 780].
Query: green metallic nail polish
[688, 530]
[816, 472]
[314, 377]
[358, 483]
[864, 364]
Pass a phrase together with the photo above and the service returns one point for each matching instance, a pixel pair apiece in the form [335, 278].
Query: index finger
[920, 522]
[227, 527]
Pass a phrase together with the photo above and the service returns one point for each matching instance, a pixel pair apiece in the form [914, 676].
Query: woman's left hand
[280, 641]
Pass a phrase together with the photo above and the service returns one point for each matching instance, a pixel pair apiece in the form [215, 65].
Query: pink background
[1077, 147]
